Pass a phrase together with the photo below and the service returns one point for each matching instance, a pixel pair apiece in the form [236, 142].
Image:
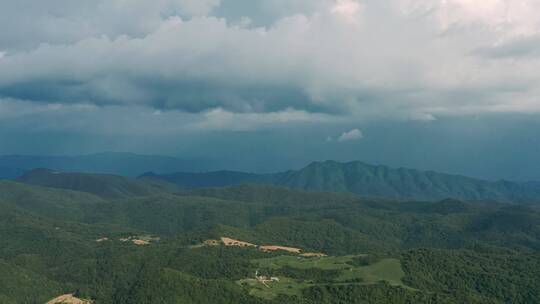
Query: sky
[268, 85]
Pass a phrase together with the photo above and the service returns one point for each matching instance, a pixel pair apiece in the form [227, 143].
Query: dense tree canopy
[56, 241]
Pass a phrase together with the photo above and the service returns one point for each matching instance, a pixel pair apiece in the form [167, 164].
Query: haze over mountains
[127, 164]
[103, 236]
[329, 176]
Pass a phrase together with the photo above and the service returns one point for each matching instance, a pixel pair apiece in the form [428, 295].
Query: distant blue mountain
[126, 164]
[330, 176]
[10, 172]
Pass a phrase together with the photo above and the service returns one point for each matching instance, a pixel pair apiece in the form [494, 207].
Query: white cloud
[407, 59]
[220, 119]
[349, 9]
[506, 17]
[351, 135]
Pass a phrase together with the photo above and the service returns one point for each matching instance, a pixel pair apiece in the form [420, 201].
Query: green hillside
[50, 202]
[55, 241]
[210, 179]
[106, 186]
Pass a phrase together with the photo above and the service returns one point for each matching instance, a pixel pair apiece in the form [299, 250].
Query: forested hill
[164, 248]
[221, 178]
[370, 180]
[102, 185]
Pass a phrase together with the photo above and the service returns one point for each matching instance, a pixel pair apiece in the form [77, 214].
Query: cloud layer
[317, 60]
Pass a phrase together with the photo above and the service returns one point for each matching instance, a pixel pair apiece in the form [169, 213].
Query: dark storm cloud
[188, 95]
[323, 56]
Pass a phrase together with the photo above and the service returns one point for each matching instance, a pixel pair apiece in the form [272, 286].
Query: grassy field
[285, 286]
[387, 269]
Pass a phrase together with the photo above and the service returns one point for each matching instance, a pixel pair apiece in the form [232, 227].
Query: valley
[259, 244]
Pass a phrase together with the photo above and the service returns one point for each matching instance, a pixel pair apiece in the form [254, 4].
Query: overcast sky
[265, 85]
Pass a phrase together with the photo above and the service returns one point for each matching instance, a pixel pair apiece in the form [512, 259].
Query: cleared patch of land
[207, 243]
[285, 286]
[278, 248]
[387, 269]
[141, 240]
[212, 243]
[68, 299]
[232, 242]
[265, 248]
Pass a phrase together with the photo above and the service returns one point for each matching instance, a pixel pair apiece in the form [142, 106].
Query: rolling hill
[102, 185]
[57, 241]
[370, 181]
[221, 178]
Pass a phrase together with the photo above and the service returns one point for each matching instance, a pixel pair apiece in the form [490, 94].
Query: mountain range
[112, 175]
[127, 164]
[116, 239]
[368, 180]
